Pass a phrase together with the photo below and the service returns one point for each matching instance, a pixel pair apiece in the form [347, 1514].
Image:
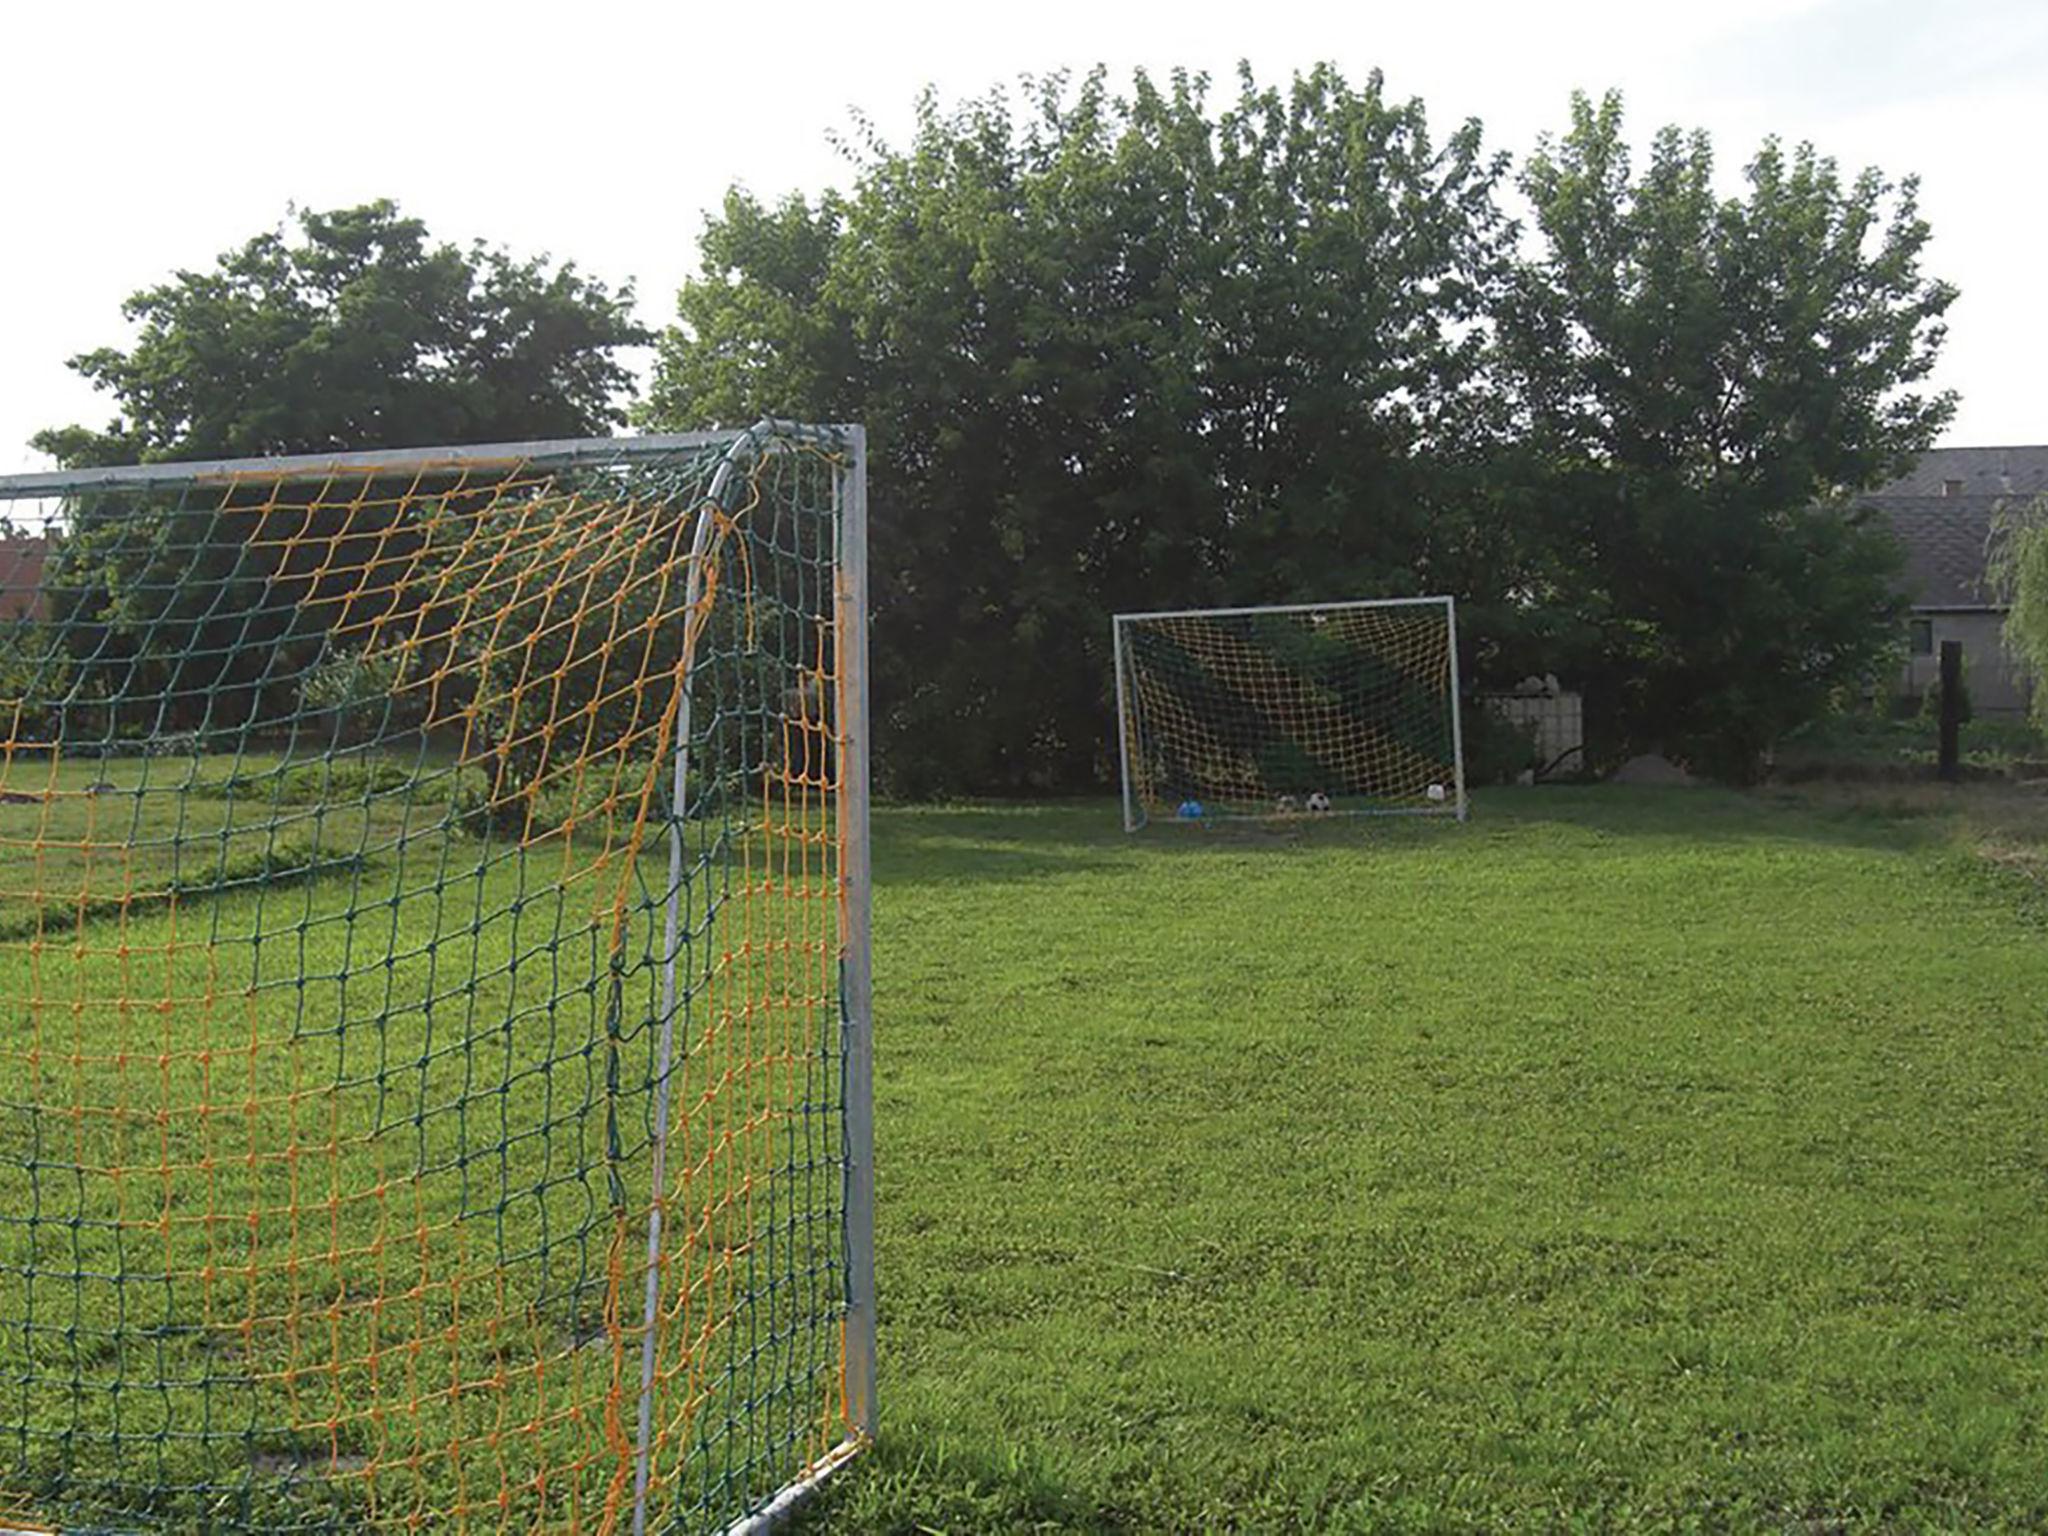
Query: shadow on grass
[973, 844]
[1001, 843]
[1868, 816]
[1004, 842]
[1978, 823]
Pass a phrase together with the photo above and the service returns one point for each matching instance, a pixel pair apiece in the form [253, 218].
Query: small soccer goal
[1305, 709]
[434, 1081]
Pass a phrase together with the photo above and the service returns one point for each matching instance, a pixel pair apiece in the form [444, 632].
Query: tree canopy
[1166, 346]
[1708, 378]
[1145, 350]
[354, 329]
[1116, 352]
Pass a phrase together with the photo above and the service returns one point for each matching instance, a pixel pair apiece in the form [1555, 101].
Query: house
[21, 576]
[1943, 513]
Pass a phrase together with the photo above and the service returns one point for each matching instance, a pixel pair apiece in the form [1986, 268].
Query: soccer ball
[1435, 792]
[1319, 802]
[1190, 810]
[1286, 805]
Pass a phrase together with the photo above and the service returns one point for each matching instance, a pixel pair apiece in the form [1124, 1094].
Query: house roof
[2020, 472]
[1942, 511]
[1946, 540]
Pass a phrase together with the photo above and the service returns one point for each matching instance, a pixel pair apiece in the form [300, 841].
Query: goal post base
[795, 1495]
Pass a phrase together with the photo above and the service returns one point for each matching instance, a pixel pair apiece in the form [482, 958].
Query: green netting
[1341, 707]
[345, 895]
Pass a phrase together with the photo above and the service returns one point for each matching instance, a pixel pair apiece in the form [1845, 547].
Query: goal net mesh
[346, 904]
[1261, 712]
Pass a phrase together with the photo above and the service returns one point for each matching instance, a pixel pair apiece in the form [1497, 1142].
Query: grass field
[1622, 1160]
[324, 1155]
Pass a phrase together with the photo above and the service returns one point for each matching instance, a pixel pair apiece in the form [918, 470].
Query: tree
[1117, 352]
[2019, 574]
[1705, 379]
[353, 332]
[357, 331]
[1139, 351]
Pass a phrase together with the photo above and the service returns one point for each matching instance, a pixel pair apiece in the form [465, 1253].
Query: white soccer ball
[1435, 792]
[1286, 805]
[1319, 802]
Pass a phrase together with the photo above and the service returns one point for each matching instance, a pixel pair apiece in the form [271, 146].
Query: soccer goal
[1295, 710]
[435, 1078]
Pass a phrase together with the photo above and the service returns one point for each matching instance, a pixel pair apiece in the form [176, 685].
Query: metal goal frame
[742, 449]
[1127, 705]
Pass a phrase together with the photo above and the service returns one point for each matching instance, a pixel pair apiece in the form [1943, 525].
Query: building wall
[1997, 682]
[21, 577]
[1557, 721]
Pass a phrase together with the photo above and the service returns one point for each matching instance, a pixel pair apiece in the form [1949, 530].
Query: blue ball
[1191, 810]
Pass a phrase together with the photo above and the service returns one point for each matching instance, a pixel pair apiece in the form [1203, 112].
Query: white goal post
[1294, 709]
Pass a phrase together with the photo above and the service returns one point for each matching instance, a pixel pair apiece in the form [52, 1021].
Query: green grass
[323, 1159]
[1625, 1159]
[1622, 1160]
[86, 841]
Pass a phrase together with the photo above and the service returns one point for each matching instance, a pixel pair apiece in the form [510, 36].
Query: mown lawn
[1621, 1160]
[324, 1155]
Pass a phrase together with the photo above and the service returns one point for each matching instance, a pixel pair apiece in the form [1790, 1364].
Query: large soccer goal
[435, 1060]
[1295, 709]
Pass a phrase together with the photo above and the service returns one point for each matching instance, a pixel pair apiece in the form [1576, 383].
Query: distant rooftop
[1942, 511]
[2019, 471]
[1947, 541]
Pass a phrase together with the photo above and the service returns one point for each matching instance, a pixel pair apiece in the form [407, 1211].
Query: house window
[1922, 637]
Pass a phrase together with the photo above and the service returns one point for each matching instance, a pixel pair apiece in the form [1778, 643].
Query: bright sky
[136, 139]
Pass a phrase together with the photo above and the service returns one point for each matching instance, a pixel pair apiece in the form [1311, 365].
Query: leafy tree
[1117, 352]
[1706, 378]
[352, 331]
[1133, 351]
[357, 331]
[2019, 574]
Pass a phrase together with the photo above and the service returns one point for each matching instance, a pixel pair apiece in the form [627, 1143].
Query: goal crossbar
[546, 453]
[1353, 606]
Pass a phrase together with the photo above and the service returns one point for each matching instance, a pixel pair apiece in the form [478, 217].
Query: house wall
[1558, 721]
[1997, 682]
[21, 577]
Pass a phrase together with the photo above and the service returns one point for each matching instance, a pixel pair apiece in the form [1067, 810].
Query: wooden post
[1951, 710]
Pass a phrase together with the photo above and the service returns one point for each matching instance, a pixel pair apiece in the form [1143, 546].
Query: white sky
[136, 139]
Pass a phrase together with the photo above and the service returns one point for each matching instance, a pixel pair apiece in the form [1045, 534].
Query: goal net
[433, 932]
[1303, 709]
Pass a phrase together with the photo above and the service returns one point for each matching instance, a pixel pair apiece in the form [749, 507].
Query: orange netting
[345, 892]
